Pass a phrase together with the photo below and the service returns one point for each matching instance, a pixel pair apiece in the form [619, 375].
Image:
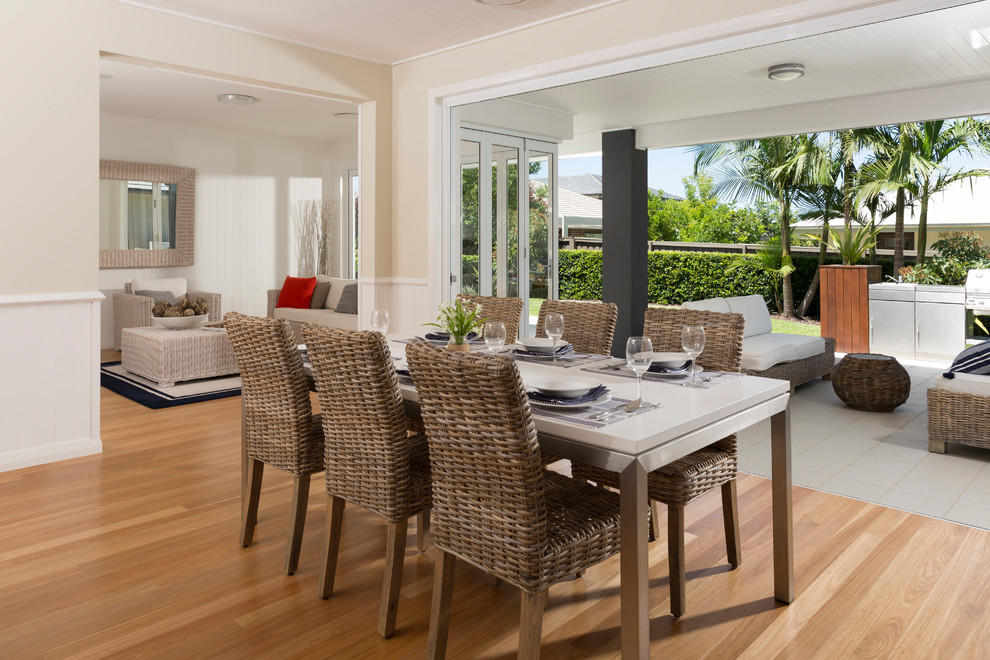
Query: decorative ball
[159, 308]
[173, 311]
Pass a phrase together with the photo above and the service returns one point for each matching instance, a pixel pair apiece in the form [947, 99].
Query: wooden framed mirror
[147, 215]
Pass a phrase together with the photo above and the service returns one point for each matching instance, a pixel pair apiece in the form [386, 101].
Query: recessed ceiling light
[502, 3]
[789, 71]
[236, 99]
[345, 115]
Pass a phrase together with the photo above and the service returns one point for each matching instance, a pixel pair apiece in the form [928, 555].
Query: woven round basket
[869, 381]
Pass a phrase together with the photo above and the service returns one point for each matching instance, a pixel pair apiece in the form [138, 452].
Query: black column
[624, 233]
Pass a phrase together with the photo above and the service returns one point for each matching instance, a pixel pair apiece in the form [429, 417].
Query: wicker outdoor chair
[506, 310]
[689, 477]
[494, 505]
[371, 457]
[589, 326]
[280, 428]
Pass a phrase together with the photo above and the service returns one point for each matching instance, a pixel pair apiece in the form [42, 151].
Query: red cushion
[296, 292]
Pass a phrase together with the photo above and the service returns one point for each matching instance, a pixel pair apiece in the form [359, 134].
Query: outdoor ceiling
[387, 31]
[926, 51]
[159, 94]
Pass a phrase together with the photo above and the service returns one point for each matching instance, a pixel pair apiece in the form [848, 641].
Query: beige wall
[49, 141]
[50, 77]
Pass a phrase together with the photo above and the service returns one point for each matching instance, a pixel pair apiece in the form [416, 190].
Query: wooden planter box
[845, 305]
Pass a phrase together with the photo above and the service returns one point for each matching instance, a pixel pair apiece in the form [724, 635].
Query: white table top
[682, 410]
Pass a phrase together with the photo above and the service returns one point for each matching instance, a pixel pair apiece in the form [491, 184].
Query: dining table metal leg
[783, 516]
[634, 562]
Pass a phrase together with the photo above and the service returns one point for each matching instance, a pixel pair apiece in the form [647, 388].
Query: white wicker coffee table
[168, 356]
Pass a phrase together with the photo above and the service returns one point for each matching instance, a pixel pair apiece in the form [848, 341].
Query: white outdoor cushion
[807, 346]
[964, 383]
[761, 352]
[754, 308]
[177, 285]
[336, 288]
[321, 316]
[708, 305]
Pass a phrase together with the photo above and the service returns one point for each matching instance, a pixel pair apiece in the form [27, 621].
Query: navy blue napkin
[660, 369]
[562, 350]
[445, 336]
[595, 393]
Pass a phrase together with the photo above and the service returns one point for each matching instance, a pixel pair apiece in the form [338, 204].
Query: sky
[666, 168]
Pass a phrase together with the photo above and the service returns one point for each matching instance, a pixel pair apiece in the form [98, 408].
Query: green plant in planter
[459, 318]
[851, 245]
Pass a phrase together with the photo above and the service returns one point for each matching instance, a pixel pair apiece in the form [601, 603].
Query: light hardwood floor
[134, 553]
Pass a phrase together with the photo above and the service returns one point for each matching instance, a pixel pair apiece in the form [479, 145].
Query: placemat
[706, 380]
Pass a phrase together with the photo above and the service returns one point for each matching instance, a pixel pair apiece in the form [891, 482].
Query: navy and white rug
[148, 393]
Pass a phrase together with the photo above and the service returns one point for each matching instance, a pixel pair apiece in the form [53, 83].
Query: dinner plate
[539, 344]
[568, 388]
[680, 374]
[605, 398]
[671, 360]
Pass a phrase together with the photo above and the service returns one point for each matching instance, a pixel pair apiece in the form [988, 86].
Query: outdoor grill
[978, 290]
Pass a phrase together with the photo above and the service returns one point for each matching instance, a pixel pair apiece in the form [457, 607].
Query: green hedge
[676, 277]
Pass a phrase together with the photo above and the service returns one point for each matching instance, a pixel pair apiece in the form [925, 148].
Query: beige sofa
[322, 310]
[794, 358]
[133, 311]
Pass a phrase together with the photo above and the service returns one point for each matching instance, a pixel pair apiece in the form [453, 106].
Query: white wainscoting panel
[49, 377]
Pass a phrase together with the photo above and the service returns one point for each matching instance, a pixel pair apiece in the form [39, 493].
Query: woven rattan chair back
[723, 334]
[488, 491]
[279, 423]
[588, 325]
[368, 459]
[506, 310]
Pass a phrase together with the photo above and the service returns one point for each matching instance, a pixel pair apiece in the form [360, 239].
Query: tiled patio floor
[878, 457]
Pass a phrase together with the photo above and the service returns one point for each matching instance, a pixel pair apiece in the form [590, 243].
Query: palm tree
[824, 201]
[913, 163]
[759, 170]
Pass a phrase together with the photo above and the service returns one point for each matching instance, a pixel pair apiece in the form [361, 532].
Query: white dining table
[633, 445]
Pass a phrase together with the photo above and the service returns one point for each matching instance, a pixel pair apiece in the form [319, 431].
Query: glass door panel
[540, 229]
[470, 204]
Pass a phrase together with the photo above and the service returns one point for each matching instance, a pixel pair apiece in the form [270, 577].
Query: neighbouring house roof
[572, 204]
[965, 204]
[591, 185]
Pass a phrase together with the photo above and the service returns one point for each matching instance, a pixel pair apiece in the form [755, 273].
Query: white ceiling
[928, 51]
[152, 93]
[924, 51]
[387, 31]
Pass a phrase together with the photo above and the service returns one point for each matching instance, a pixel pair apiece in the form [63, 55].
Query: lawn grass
[795, 328]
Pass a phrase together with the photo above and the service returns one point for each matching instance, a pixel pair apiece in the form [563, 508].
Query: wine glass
[693, 343]
[639, 356]
[379, 320]
[494, 336]
[554, 325]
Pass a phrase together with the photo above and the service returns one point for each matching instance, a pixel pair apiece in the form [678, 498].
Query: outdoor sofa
[794, 358]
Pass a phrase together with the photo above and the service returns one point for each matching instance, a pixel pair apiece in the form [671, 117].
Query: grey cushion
[348, 300]
[167, 296]
[319, 293]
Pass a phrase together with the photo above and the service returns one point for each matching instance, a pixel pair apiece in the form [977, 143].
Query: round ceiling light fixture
[236, 99]
[502, 3]
[789, 71]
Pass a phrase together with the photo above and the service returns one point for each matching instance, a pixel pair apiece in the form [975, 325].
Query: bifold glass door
[498, 255]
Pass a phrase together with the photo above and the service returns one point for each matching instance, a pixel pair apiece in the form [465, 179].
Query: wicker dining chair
[371, 457]
[588, 325]
[687, 478]
[494, 308]
[494, 505]
[279, 425]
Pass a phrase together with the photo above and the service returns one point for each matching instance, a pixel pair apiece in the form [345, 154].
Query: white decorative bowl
[181, 322]
[567, 388]
[671, 360]
[539, 344]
